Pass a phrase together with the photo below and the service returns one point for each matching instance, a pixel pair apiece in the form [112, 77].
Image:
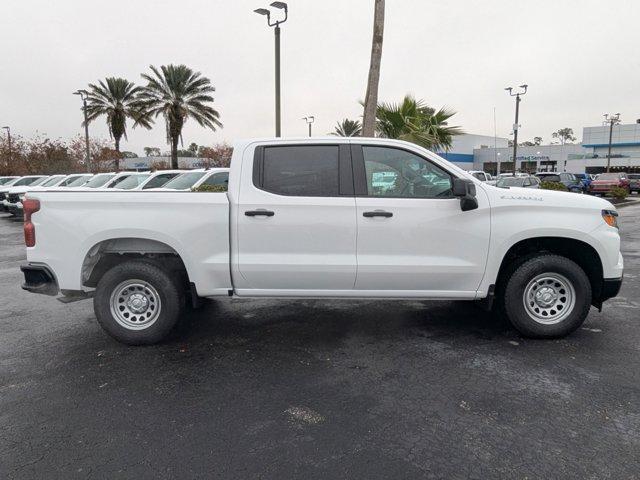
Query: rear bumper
[39, 279]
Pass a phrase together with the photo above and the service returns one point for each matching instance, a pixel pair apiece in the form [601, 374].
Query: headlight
[610, 217]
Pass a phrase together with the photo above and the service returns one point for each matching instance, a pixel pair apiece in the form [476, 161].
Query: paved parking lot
[318, 389]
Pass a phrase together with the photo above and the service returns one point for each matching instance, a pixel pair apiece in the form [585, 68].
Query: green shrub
[553, 186]
[210, 188]
[619, 193]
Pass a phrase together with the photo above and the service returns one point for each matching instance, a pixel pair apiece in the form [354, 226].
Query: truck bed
[72, 227]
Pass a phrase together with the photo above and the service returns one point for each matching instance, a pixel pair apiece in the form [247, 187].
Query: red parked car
[604, 182]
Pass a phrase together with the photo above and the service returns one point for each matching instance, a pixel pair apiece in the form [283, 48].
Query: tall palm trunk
[117, 141]
[174, 152]
[371, 98]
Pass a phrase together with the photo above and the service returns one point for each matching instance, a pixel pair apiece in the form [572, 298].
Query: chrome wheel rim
[549, 298]
[135, 304]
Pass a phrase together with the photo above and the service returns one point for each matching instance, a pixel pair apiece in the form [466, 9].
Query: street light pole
[611, 120]
[87, 159]
[516, 126]
[276, 31]
[8, 129]
[309, 120]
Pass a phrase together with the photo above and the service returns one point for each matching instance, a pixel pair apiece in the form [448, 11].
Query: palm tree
[176, 92]
[347, 128]
[414, 121]
[371, 97]
[115, 98]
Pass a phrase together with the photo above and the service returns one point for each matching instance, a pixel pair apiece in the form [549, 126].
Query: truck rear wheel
[137, 303]
[547, 296]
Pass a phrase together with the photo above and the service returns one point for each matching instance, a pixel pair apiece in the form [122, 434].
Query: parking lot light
[516, 126]
[611, 120]
[265, 12]
[310, 119]
[87, 158]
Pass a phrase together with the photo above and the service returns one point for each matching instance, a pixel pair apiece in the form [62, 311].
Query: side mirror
[466, 191]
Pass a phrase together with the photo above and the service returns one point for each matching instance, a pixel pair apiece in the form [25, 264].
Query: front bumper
[610, 288]
[15, 209]
[39, 279]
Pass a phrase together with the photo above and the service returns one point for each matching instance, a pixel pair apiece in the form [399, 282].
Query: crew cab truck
[338, 218]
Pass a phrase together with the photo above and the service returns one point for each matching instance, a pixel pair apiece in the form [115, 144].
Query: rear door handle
[258, 213]
[377, 213]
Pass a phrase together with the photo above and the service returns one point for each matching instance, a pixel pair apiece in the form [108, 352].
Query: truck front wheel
[137, 303]
[547, 296]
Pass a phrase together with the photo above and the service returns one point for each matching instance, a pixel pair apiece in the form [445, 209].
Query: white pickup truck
[337, 218]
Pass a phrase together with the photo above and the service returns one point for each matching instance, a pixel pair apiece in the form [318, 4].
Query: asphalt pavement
[318, 389]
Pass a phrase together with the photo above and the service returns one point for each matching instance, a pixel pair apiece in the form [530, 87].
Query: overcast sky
[579, 57]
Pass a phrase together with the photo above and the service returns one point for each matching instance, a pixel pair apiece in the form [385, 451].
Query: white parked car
[480, 175]
[9, 193]
[54, 182]
[148, 180]
[7, 180]
[96, 181]
[327, 218]
[195, 178]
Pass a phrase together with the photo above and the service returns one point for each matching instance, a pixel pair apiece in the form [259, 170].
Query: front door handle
[377, 213]
[258, 213]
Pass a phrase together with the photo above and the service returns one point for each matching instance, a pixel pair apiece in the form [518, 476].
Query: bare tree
[371, 98]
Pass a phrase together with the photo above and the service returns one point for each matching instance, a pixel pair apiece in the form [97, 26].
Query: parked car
[605, 182]
[585, 178]
[96, 181]
[195, 178]
[158, 178]
[634, 182]
[29, 180]
[567, 179]
[303, 218]
[482, 176]
[523, 182]
[5, 180]
[76, 180]
[115, 180]
[54, 182]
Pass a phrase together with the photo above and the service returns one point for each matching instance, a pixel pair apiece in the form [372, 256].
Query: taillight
[30, 206]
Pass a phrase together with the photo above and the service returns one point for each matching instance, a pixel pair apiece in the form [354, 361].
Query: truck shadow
[325, 323]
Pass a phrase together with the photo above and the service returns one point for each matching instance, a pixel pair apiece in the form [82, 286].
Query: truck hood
[515, 196]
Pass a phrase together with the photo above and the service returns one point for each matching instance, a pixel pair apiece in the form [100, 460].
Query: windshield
[609, 176]
[52, 181]
[76, 182]
[634, 176]
[116, 181]
[5, 180]
[132, 181]
[28, 181]
[184, 181]
[510, 182]
[549, 178]
[99, 180]
[479, 176]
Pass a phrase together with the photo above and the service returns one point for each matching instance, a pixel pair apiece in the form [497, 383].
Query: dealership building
[590, 156]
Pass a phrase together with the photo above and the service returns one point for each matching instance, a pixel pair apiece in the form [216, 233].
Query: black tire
[523, 317]
[164, 295]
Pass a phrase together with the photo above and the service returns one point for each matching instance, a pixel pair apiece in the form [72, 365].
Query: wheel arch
[579, 251]
[109, 252]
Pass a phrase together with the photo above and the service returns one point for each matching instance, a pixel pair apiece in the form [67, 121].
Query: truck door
[413, 238]
[296, 221]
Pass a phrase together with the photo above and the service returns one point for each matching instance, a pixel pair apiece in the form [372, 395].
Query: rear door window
[304, 171]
